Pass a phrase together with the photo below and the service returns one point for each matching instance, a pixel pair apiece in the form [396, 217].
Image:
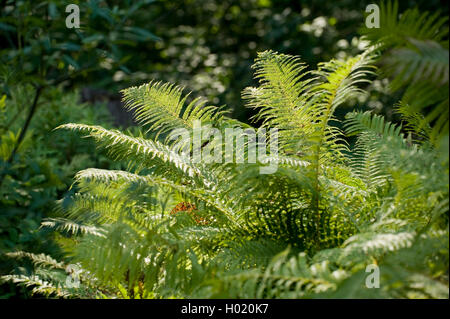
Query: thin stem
[27, 123]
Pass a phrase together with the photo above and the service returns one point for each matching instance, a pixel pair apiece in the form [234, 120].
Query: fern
[415, 56]
[161, 107]
[171, 227]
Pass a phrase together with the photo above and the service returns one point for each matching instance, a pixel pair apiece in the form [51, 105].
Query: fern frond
[285, 277]
[39, 286]
[122, 146]
[413, 121]
[425, 61]
[209, 196]
[396, 29]
[161, 107]
[358, 122]
[416, 57]
[37, 259]
[69, 226]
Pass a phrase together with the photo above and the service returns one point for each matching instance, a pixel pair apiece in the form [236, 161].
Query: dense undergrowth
[309, 229]
[42, 170]
[347, 196]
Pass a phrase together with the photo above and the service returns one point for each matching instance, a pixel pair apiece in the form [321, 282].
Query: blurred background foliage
[43, 169]
[48, 72]
[206, 45]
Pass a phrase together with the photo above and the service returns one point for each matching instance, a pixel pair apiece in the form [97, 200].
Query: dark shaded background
[208, 46]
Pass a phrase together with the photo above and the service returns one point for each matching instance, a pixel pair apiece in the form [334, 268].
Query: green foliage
[161, 107]
[346, 194]
[209, 45]
[46, 52]
[42, 171]
[171, 227]
[415, 55]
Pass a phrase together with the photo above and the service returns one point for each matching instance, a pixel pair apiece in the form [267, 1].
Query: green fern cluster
[308, 230]
[414, 53]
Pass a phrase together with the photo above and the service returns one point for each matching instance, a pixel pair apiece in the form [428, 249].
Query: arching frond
[162, 108]
[37, 259]
[397, 29]
[122, 146]
[415, 56]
